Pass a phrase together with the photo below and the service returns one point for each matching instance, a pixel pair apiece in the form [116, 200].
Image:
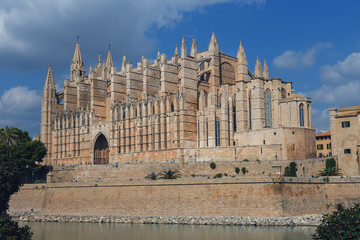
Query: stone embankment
[306, 220]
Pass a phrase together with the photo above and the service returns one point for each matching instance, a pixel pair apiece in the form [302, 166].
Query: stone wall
[198, 170]
[251, 197]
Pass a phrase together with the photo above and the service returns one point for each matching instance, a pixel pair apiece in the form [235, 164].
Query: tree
[344, 223]
[290, 171]
[29, 156]
[169, 174]
[10, 230]
[330, 169]
[10, 182]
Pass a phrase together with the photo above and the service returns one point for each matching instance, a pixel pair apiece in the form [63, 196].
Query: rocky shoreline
[306, 220]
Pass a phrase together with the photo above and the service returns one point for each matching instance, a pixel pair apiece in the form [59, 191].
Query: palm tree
[169, 174]
[8, 136]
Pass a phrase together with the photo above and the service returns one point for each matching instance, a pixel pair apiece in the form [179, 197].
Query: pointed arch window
[234, 115]
[301, 114]
[308, 114]
[268, 109]
[207, 133]
[217, 131]
[250, 127]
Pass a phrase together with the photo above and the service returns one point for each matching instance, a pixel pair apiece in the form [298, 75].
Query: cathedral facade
[202, 106]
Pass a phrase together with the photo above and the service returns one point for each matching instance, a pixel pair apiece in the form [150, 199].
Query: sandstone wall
[85, 173]
[253, 197]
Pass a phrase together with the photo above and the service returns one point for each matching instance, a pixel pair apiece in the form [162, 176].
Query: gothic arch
[268, 109]
[101, 150]
[301, 115]
[227, 73]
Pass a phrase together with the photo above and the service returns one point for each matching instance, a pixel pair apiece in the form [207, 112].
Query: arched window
[234, 115]
[308, 114]
[207, 133]
[217, 131]
[268, 109]
[153, 136]
[283, 93]
[301, 114]
[250, 111]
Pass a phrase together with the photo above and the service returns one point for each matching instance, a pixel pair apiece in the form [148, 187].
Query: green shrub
[219, 175]
[333, 171]
[152, 176]
[287, 171]
[290, 171]
[344, 223]
[225, 174]
[237, 170]
[169, 174]
[245, 160]
[212, 165]
[243, 170]
[330, 169]
[95, 185]
[330, 163]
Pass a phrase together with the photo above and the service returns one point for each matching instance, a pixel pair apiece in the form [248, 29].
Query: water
[82, 231]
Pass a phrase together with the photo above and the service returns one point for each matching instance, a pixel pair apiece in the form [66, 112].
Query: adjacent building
[323, 144]
[345, 138]
[192, 106]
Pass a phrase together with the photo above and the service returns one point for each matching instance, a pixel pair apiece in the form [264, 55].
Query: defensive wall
[197, 169]
[245, 197]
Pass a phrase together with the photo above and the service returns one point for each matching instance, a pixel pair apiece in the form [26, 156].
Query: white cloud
[320, 119]
[291, 59]
[343, 95]
[343, 71]
[34, 32]
[20, 107]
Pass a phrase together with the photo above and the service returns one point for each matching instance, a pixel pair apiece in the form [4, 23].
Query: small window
[347, 151]
[320, 147]
[293, 148]
[345, 124]
[328, 146]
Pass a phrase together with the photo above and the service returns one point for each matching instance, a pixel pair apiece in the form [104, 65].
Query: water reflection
[80, 231]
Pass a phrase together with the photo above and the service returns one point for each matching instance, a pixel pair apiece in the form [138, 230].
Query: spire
[142, 58]
[99, 60]
[123, 65]
[77, 64]
[49, 88]
[213, 45]
[241, 56]
[158, 55]
[90, 68]
[193, 50]
[257, 68]
[77, 54]
[176, 54]
[109, 60]
[243, 71]
[49, 82]
[183, 47]
[265, 71]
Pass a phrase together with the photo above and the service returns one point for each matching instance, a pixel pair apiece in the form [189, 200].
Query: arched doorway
[101, 150]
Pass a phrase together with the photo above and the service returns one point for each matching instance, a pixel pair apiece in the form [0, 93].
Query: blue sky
[314, 44]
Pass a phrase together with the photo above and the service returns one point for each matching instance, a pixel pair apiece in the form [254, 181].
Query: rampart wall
[195, 170]
[246, 197]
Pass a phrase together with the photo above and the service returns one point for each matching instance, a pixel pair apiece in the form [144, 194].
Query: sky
[314, 44]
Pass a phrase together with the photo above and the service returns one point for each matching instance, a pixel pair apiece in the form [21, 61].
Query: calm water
[80, 231]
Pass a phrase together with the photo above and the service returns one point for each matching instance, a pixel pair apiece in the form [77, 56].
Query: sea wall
[246, 197]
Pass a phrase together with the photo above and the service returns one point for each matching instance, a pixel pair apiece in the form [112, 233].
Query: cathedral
[197, 106]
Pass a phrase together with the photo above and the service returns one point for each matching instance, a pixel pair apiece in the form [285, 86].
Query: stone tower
[47, 113]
